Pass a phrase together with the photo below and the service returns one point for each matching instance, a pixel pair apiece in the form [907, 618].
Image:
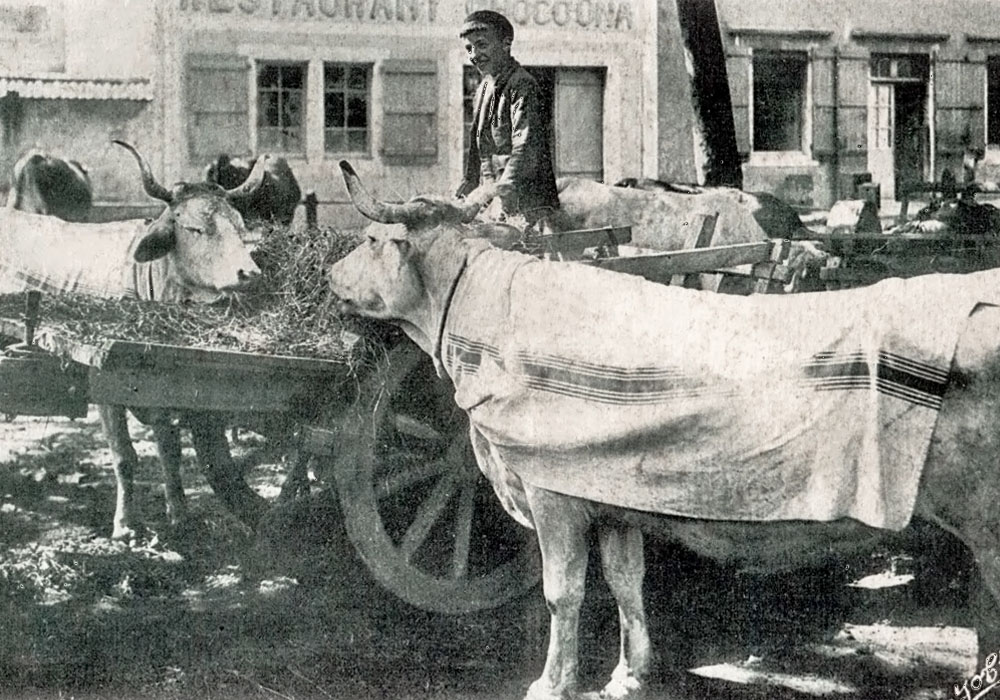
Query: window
[993, 100]
[281, 107]
[779, 103]
[899, 69]
[346, 104]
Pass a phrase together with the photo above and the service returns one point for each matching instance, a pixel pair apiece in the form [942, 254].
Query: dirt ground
[215, 612]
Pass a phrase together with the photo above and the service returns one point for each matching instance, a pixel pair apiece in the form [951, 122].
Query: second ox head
[379, 279]
[200, 230]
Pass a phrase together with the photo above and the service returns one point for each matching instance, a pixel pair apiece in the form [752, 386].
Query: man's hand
[475, 201]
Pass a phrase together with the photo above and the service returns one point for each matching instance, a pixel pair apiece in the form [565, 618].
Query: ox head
[407, 262]
[200, 231]
[45, 184]
[377, 279]
[228, 172]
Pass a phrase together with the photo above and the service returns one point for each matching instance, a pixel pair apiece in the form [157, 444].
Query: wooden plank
[660, 267]
[238, 389]
[115, 354]
[889, 237]
[700, 239]
[575, 242]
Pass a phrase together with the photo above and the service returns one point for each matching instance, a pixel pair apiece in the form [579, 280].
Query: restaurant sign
[579, 14]
[403, 11]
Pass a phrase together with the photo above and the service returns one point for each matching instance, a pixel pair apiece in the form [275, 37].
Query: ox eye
[195, 229]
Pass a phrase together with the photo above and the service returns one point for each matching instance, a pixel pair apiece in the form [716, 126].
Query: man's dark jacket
[509, 143]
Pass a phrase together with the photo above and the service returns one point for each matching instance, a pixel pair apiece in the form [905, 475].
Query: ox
[192, 252]
[776, 217]
[44, 184]
[276, 198]
[421, 271]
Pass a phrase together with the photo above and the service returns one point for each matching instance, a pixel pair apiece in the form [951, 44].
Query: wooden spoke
[428, 513]
[404, 479]
[414, 427]
[463, 528]
[415, 505]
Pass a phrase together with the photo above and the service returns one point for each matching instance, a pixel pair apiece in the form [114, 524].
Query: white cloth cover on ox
[614, 389]
[51, 255]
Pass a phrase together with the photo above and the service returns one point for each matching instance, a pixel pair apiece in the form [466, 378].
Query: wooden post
[700, 239]
[311, 204]
[31, 316]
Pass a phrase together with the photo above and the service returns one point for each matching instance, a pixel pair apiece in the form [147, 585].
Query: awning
[69, 89]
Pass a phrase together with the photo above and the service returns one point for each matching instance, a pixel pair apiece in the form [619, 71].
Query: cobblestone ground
[213, 612]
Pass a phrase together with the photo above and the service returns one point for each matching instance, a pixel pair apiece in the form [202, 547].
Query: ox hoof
[628, 688]
[123, 533]
[540, 691]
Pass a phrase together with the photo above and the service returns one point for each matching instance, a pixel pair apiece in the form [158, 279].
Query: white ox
[192, 252]
[410, 271]
[664, 219]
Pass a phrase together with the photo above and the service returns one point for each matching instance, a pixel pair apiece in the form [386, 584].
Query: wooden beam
[660, 267]
[571, 244]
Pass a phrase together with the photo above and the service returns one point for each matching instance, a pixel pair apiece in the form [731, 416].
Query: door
[579, 122]
[910, 142]
[881, 137]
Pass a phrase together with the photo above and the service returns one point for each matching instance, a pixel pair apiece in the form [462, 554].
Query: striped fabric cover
[607, 387]
[51, 255]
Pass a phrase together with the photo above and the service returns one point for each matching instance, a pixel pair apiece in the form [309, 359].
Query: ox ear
[159, 240]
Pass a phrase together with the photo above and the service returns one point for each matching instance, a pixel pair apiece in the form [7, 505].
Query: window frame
[258, 65]
[995, 95]
[369, 69]
[798, 156]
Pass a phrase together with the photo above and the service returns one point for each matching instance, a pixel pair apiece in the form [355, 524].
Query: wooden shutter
[738, 71]
[410, 103]
[852, 111]
[824, 138]
[218, 105]
[958, 94]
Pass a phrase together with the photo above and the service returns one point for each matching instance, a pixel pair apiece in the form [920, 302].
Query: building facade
[823, 93]
[826, 92]
[382, 83]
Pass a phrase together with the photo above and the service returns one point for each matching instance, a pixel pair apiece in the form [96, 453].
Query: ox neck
[441, 268]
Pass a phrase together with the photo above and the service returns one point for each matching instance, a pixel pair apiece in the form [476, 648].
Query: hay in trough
[290, 313]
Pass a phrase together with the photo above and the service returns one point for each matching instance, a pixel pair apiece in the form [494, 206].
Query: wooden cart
[391, 439]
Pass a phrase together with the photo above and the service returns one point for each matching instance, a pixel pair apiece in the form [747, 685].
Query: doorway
[573, 108]
[897, 122]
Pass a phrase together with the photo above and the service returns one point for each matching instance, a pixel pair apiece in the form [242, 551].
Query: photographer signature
[981, 683]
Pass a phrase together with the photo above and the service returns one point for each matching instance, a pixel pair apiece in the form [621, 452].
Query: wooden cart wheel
[416, 507]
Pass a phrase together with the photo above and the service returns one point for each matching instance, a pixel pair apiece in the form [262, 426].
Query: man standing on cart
[509, 155]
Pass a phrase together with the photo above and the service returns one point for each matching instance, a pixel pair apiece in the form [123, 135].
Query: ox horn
[253, 182]
[376, 210]
[149, 183]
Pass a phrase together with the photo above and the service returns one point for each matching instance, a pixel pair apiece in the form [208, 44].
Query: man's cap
[486, 20]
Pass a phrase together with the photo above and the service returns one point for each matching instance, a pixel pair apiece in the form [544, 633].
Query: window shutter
[410, 103]
[958, 88]
[823, 140]
[852, 111]
[738, 71]
[218, 105]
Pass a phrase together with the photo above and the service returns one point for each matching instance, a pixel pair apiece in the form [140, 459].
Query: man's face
[487, 51]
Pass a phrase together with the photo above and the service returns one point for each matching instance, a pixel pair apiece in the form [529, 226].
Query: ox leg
[168, 448]
[297, 482]
[986, 617]
[208, 433]
[624, 568]
[125, 461]
[561, 524]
